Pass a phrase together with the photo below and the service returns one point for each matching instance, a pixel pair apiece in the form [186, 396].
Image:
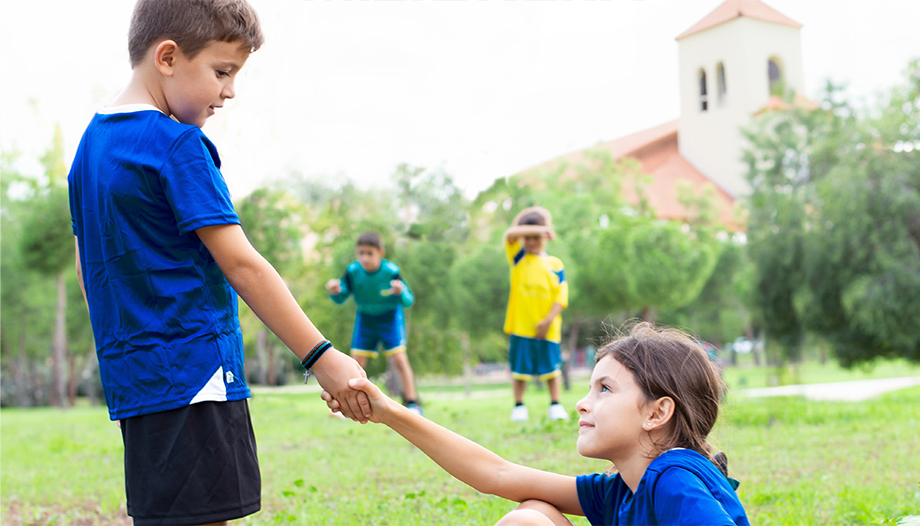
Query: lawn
[799, 462]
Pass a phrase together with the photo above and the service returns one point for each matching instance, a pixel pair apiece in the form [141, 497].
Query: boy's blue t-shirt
[372, 289]
[680, 487]
[164, 317]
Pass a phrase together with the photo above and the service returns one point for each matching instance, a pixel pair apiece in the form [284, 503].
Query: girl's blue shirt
[680, 487]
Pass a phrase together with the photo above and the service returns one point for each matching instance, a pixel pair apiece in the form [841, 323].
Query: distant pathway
[853, 391]
[843, 391]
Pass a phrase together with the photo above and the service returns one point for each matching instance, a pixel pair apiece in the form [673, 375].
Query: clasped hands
[333, 372]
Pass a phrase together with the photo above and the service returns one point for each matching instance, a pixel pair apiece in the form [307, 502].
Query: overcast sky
[482, 88]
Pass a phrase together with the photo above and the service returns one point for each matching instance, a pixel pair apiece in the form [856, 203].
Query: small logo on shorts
[229, 377]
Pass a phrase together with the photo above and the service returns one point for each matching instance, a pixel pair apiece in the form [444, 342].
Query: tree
[835, 224]
[721, 312]
[273, 222]
[47, 248]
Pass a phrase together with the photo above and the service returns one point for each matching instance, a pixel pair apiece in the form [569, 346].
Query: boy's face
[369, 257]
[200, 85]
[534, 243]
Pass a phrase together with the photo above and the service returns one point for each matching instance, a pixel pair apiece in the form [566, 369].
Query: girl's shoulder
[684, 476]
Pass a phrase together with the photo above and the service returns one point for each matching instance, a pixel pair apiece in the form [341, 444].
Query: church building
[735, 62]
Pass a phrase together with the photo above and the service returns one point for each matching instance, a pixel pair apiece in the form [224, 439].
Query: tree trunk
[59, 346]
[755, 350]
[92, 363]
[649, 314]
[261, 355]
[567, 362]
[71, 378]
[20, 378]
[467, 364]
[271, 377]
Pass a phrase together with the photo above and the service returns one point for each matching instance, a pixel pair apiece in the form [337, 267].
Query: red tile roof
[777, 103]
[656, 150]
[732, 9]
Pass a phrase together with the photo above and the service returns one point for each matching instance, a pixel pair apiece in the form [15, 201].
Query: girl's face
[612, 415]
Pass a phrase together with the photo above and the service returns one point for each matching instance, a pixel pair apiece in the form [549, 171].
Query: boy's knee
[534, 513]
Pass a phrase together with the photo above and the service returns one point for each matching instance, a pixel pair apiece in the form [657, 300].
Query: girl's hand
[381, 404]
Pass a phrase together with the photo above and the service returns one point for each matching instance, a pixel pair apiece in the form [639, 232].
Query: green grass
[800, 462]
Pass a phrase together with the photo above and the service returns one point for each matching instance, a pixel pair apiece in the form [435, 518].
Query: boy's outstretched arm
[468, 461]
[262, 288]
[518, 231]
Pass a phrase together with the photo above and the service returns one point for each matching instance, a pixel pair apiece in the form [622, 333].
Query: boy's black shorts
[192, 465]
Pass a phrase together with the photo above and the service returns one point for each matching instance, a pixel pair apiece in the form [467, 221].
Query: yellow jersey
[537, 281]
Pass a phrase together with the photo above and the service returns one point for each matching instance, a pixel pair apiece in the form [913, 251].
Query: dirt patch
[18, 514]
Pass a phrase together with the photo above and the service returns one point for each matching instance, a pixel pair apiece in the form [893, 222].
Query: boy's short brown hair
[370, 239]
[192, 24]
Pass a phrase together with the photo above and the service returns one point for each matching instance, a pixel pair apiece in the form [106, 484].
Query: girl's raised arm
[468, 461]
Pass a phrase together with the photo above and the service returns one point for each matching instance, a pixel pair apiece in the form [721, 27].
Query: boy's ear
[383, 251]
[660, 413]
[164, 57]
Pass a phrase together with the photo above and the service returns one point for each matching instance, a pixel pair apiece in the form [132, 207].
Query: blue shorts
[372, 330]
[531, 358]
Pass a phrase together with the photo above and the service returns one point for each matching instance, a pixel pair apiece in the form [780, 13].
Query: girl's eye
[223, 73]
[605, 389]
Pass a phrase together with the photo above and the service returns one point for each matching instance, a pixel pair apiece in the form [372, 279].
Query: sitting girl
[653, 399]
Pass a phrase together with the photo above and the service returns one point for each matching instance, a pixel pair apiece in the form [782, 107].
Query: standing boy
[381, 294]
[161, 256]
[539, 293]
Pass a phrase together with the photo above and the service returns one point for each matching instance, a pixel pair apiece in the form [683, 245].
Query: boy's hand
[380, 403]
[397, 287]
[333, 370]
[334, 286]
[543, 328]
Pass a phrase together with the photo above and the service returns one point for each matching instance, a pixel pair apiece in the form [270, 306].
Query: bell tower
[731, 63]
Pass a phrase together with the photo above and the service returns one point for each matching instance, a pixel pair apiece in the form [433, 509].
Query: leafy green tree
[863, 259]
[834, 224]
[721, 312]
[47, 248]
[23, 293]
[480, 282]
[273, 222]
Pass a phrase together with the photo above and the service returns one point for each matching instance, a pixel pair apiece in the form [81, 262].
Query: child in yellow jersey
[539, 293]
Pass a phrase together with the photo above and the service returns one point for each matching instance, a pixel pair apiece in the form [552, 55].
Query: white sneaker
[520, 413]
[557, 412]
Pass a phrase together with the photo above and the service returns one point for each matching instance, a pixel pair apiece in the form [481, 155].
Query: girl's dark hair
[533, 218]
[370, 239]
[192, 24]
[668, 362]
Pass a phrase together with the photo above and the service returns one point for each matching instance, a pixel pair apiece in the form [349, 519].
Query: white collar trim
[128, 108]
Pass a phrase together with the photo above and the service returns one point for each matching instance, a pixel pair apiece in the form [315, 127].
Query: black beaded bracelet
[315, 353]
[311, 358]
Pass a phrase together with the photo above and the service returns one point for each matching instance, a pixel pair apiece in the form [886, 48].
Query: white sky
[484, 88]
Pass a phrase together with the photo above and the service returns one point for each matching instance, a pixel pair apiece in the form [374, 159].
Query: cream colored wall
[712, 140]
